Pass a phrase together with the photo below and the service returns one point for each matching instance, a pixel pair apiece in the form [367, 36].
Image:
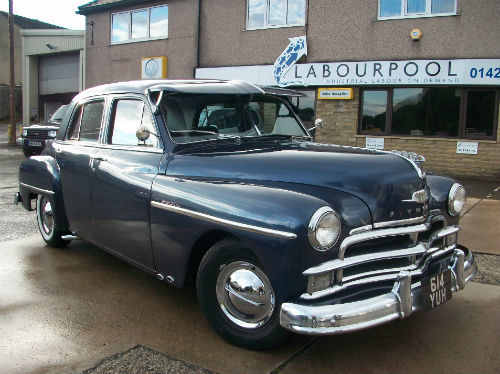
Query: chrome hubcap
[46, 216]
[244, 294]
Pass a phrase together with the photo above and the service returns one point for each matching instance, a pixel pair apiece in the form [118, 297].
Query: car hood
[43, 126]
[382, 180]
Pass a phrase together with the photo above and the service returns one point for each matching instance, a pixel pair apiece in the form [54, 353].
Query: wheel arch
[201, 246]
[40, 175]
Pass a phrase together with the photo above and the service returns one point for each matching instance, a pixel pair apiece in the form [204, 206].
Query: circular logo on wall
[152, 68]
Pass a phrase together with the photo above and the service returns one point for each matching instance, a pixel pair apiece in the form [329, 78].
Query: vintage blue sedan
[219, 183]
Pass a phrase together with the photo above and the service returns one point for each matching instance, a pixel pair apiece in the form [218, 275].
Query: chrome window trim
[225, 222]
[36, 189]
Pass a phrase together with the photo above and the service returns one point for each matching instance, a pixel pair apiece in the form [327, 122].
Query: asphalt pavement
[81, 310]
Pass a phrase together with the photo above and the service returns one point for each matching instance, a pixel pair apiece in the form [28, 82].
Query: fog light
[319, 282]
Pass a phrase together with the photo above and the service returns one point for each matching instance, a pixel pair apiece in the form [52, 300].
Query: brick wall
[341, 123]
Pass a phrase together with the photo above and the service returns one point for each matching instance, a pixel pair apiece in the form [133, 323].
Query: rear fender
[41, 175]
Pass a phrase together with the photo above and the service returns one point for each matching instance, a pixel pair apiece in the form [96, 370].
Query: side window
[86, 122]
[128, 115]
[74, 131]
[91, 121]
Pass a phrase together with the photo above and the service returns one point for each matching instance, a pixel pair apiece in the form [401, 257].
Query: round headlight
[52, 133]
[324, 228]
[456, 199]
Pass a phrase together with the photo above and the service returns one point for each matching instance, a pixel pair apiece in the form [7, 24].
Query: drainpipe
[198, 40]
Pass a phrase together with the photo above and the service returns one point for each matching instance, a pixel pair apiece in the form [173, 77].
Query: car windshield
[58, 115]
[192, 118]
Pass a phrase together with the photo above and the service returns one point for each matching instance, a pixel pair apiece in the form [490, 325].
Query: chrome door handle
[99, 159]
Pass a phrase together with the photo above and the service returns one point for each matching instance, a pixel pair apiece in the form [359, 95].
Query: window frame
[461, 133]
[267, 25]
[405, 15]
[134, 40]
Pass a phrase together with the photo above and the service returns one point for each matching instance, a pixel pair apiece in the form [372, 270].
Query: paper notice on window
[468, 148]
[375, 143]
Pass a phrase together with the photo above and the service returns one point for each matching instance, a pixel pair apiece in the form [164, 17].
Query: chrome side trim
[404, 299]
[409, 221]
[36, 189]
[225, 222]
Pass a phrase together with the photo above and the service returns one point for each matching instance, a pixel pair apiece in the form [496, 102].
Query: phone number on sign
[485, 73]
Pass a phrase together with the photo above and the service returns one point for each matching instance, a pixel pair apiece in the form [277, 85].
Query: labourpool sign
[286, 72]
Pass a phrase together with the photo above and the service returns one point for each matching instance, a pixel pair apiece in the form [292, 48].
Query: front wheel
[45, 217]
[237, 297]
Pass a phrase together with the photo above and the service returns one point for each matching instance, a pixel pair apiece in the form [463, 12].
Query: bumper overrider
[407, 296]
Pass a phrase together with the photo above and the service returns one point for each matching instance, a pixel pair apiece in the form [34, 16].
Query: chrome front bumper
[404, 299]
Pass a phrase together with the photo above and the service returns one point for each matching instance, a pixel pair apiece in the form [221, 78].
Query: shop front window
[275, 13]
[416, 8]
[481, 111]
[142, 24]
[374, 112]
[430, 111]
[425, 111]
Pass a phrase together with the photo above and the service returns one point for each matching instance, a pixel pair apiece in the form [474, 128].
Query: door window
[86, 122]
[128, 116]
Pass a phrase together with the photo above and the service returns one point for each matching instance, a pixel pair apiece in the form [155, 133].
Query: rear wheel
[45, 217]
[237, 297]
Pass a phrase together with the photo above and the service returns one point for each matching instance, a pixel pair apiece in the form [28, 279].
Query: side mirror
[317, 124]
[143, 133]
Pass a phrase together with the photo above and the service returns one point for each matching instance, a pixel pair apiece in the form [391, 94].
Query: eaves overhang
[100, 5]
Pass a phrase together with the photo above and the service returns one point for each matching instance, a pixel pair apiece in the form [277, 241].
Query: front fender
[439, 187]
[41, 175]
[261, 216]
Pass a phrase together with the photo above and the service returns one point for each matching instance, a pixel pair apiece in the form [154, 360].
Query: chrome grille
[379, 256]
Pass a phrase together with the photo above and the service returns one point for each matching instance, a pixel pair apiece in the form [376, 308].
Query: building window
[263, 14]
[141, 24]
[434, 111]
[389, 9]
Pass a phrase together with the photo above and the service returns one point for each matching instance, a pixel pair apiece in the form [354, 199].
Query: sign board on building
[469, 148]
[154, 67]
[477, 72]
[375, 143]
[335, 93]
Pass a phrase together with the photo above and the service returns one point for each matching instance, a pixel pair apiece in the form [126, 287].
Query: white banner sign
[469, 148]
[478, 72]
[375, 143]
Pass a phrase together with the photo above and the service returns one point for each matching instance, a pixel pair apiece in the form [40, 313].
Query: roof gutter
[88, 9]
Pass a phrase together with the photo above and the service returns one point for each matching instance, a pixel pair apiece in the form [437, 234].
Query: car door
[74, 156]
[124, 170]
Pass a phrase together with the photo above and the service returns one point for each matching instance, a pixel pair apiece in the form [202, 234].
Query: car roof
[192, 86]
